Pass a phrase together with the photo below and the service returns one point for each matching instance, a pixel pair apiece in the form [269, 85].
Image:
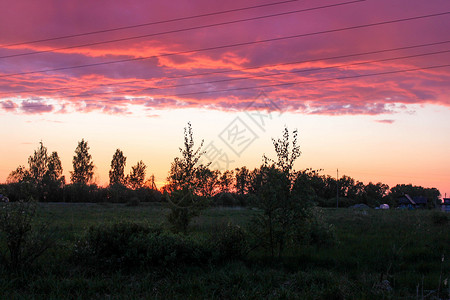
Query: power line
[180, 30]
[241, 69]
[149, 23]
[310, 81]
[261, 76]
[230, 45]
[298, 71]
[273, 85]
[258, 76]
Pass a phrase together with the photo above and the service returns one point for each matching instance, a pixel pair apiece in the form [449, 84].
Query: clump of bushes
[107, 245]
[184, 205]
[129, 245]
[22, 240]
[230, 243]
[317, 231]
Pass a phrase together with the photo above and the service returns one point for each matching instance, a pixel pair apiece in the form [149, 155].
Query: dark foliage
[22, 241]
[230, 242]
[126, 246]
[185, 193]
[118, 163]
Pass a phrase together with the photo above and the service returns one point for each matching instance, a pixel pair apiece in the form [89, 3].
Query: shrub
[106, 245]
[167, 249]
[320, 232]
[128, 245]
[24, 241]
[184, 206]
[230, 243]
[314, 230]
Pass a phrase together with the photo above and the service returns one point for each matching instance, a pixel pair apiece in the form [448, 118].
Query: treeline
[43, 180]
[242, 185]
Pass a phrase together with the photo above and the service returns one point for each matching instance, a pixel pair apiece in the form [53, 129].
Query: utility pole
[337, 188]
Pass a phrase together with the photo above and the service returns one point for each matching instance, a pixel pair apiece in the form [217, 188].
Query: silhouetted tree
[255, 181]
[305, 183]
[38, 163]
[375, 193]
[82, 164]
[137, 175]
[285, 156]
[346, 185]
[226, 181]
[150, 183]
[357, 192]
[42, 181]
[53, 180]
[183, 184]
[206, 181]
[54, 167]
[242, 180]
[18, 175]
[276, 223]
[117, 172]
[288, 212]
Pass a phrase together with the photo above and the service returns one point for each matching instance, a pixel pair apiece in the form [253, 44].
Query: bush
[316, 231]
[24, 241]
[106, 245]
[167, 249]
[230, 243]
[184, 206]
[128, 245]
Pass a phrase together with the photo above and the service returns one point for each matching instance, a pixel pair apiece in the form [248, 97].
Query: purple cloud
[221, 78]
[35, 107]
[8, 105]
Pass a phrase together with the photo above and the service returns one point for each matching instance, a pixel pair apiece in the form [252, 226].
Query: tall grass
[403, 247]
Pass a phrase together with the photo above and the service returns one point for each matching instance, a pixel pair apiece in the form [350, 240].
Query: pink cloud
[9, 105]
[226, 82]
[35, 107]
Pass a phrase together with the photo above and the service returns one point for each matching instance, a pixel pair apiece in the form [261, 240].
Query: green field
[410, 249]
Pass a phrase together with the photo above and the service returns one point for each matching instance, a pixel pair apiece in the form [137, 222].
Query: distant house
[445, 206]
[415, 201]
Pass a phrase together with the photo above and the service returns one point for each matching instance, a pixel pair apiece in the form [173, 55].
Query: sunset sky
[366, 83]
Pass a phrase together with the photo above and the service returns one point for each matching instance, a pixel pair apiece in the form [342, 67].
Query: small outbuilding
[415, 201]
[445, 206]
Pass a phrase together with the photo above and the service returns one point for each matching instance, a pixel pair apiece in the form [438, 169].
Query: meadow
[378, 254]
